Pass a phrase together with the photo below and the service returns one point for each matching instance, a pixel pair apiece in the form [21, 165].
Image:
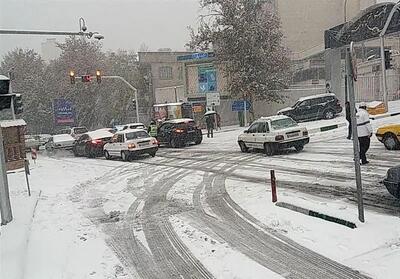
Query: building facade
[166, 77]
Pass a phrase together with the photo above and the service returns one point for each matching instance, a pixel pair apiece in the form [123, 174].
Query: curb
[326, 128]
[384, 115]
[317, 214]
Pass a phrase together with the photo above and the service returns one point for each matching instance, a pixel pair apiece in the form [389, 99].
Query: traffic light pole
[132, 88]
[383, 66]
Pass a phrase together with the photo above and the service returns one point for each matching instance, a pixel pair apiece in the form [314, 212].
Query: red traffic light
[86, 78]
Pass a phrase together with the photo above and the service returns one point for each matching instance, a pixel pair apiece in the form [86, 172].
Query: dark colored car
[179, 132]
[91, 144]
[392, 181]
[324, 106]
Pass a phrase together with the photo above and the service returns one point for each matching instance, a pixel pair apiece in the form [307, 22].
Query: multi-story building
[165, 74]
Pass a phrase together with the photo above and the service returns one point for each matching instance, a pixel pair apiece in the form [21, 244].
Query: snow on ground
[373, 247]
[218, 257]
[60, 242]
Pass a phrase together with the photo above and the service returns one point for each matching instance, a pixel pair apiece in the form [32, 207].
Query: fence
[369, 88]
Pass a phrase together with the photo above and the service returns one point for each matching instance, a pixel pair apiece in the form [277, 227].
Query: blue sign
[64, 112]
[196, 56]
[239, 106]
[207, 79]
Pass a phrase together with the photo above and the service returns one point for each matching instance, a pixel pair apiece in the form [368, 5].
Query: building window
[166, 73]
[180, 72]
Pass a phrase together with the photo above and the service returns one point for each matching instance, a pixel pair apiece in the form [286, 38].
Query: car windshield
[137, 135]
[283, 123]
[80, 130]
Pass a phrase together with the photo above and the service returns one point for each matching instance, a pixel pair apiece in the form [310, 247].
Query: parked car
[392, 181]
[272, 134]
[179, 132]
[324, 106]
[65, 142]
[133, 126]
[129, 143]
[91, 144]
[32, 142]
[44, 138]
[389, 135]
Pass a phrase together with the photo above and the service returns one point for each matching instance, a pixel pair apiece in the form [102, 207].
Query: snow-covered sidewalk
[59, 242]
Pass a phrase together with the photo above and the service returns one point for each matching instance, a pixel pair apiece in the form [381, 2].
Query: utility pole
[350, 73]
[176, 95]
[132, 88]
[5, 205]
[382, 39]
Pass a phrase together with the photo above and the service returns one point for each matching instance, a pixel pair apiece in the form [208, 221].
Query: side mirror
[246, 131]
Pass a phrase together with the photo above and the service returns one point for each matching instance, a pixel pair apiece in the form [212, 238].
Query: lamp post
[82, 32]
[345, 10]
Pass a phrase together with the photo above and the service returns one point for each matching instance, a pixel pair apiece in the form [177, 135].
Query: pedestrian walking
[210, 122]
[364, 130]
[348, 118]
[218, 118]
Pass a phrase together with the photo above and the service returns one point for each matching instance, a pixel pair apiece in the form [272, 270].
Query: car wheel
[107, 155]
[299, 148]
[329, 114]
[152, 154]
[174, 143]
[75, 152]
[269, 149]
[199, 140]
[391, 142]
[243, 147]
[125, 156]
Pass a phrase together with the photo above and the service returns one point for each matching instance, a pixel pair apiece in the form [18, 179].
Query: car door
[80, 146]
[111, 147]
[303, 110]
[261, 135]
[317, 108]
[250, 135]
[164, 133]
[120, 144]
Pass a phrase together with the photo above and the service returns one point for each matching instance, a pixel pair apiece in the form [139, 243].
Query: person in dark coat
[210, 125]
[348, 118]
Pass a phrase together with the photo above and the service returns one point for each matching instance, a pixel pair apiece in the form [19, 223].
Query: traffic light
[388, 59]
[86, 78]
[98, 76]
[18, 105]
[72, 77]
[5, 101]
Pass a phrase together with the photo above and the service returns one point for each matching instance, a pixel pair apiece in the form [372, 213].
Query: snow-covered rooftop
[274, 117]
[316, 96]
[12, 123]
[4, 77]
[99, 134]
[181, 120]
[127, 131]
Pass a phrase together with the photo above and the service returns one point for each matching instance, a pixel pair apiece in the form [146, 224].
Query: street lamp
[345, 10]
[82, 32]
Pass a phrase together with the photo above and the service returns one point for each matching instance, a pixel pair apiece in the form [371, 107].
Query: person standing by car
[152, 130]
[210, 125]
[364, 130]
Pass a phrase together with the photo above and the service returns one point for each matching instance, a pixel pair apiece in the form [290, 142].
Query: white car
[272, 134]
[131, 143]
[64, 141]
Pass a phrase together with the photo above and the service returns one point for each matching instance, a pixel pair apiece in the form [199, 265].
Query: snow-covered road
[205, 212]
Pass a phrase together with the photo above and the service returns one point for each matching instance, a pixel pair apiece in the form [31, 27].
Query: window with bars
[165, 72]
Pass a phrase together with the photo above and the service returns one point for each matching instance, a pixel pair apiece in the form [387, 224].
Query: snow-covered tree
[247, 40]
[27, 69]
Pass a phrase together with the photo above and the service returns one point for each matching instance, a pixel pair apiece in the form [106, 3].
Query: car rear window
[283, 123]
[185, 125]
[137, 135]
[80, 130]
[137, 127]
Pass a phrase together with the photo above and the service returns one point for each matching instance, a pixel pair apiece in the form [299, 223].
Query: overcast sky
[126, 24]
